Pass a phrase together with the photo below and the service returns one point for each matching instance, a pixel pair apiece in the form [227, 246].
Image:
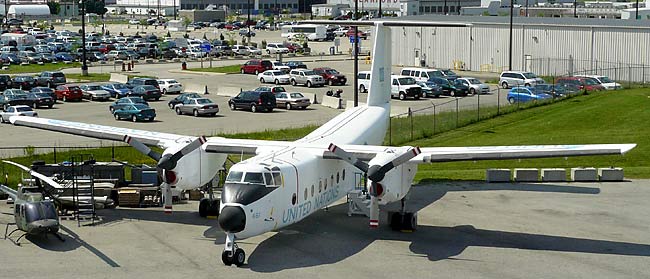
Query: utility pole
[637, 9]
[84, 66]
[512, 4]
[174, 9]
[356, 55]
[380, 15]
[575, 8]
[248, 23]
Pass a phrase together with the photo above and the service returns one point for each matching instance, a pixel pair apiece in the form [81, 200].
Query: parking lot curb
[196, 73]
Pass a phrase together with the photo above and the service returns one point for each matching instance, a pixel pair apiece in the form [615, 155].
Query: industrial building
[546, 46]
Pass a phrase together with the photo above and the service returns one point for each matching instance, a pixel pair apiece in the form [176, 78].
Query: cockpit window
[269, 179]
[254, 177]
[277, 177]
[234, 176]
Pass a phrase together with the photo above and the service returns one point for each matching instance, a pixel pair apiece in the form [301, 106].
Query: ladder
[83, 197]
[358, 199]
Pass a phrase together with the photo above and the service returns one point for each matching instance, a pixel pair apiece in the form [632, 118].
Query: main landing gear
[231, 253]
[403, 221]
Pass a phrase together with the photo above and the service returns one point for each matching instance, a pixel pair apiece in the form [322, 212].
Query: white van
[422, 74]
[403, 87]
[364, 81]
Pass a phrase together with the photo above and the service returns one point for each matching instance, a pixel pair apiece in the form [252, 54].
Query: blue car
[117, 90]
[525, 94]
[135, 112]
[63, 56]
[430, 89]
[126, 101]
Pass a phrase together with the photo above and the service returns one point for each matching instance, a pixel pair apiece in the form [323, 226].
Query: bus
[311, 31]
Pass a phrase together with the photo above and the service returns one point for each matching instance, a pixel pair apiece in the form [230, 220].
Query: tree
[95, 7]
[55, 7]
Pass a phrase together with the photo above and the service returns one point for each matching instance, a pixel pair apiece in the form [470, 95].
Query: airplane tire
[226, 258]
[203, 207]
[239, 257]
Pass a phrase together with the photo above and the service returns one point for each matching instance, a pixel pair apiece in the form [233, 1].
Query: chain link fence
[621, 72]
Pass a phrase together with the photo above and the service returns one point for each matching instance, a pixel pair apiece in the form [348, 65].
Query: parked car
[360, 33]
[51, 79]
[126, 101]
[256, 66]
[272, 89]
[364, 81]
[47, 57]
[525, 94]
[68, 92]
[292, 100]
[135, 112]
[142, 81]
[403, 87]
[307, 77]
[331, 76]
[475, 85]
[274, 76]
[148, 92]
[430, 89]
[518, 78]
[582, 83]
[94, 92]
[273, 48]
[296, 65]
[555, 90]
[277, 65]
[16, 111]
[117, 55]
[45, 90]
[5, 82]
[14, 97]
[254, 101]
[116, 89]
[240, 50]
[462, 89]
[169, 85]
[449, 74]
[197, 106]
[253, 50]
[23, 82]
[446, 85]
[245, 33]
[10, 58]
[40, 100]
[180, 98]
[63, 56]
[604, 81]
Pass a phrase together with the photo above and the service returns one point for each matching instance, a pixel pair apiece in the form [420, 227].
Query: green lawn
[610, 117]
[90, 77]
[34, 68]
[232, 69]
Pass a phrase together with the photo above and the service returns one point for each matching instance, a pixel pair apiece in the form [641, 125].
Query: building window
[452, 9]
[421, 9]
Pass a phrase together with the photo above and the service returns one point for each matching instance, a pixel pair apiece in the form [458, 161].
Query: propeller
[166, 164]
[376, 174]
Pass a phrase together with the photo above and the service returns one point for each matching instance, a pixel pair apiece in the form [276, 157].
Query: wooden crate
[129, 197]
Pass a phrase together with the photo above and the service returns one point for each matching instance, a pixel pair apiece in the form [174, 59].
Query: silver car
[16, 111]
[307, 77]
[94, 92]
[475, 85]
[197, 106]
[291, 100]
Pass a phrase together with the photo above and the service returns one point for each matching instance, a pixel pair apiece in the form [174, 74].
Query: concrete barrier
[350, 104]
[195, 88]
[553, 175]
[331, 102]
[526, 175]
[610, 174]
[228, 91]
[497, 175]
[584, 174]
[115, 77]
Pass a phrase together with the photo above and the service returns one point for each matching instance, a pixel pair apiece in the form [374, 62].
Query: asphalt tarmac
[466, 230]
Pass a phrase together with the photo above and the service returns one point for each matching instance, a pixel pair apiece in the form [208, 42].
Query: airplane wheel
[410, 221]
[226, 258]
[203, 207]
[239, 257]
[396, 221]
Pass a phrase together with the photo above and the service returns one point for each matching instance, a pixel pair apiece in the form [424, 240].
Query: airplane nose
[232, 219]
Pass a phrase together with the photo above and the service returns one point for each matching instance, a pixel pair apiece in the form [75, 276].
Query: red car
[68, 93]
[360, 34]
[331, 76]
[256, 66]
[582, 83]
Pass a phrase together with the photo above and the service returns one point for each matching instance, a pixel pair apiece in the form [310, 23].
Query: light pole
[380, 8]
[510, 48]
[575, 8]
[248, 23]
[637, 9]
[356, 55]
[174, 9]
[84, 66]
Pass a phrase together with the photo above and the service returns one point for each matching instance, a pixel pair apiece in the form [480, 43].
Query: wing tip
[627, 147]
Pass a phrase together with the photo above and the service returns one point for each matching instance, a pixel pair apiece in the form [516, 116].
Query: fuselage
[276, 189]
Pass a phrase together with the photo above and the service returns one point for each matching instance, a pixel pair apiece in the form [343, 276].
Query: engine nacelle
[397, 183]
[194, 169]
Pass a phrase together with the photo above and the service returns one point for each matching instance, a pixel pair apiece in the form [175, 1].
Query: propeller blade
[167, 197]
[142, 148]
[377, 173]
[168, 161]
[348, 157]
[42, 177]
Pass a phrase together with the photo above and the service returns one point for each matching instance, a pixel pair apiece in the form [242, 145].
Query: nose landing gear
[231, 253]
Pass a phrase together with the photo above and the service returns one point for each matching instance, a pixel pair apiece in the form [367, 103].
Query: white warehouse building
[546, 46]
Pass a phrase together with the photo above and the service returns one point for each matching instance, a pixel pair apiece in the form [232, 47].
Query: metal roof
[566, 21]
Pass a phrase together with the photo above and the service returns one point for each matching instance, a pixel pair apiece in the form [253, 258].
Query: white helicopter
[284, 182]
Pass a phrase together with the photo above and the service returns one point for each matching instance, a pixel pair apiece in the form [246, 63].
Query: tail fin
[379, 91]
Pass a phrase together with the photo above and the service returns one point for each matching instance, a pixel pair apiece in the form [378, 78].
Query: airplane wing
[98, 131]
[11, 192]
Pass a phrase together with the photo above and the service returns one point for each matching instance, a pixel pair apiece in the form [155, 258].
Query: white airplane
[286, 182]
